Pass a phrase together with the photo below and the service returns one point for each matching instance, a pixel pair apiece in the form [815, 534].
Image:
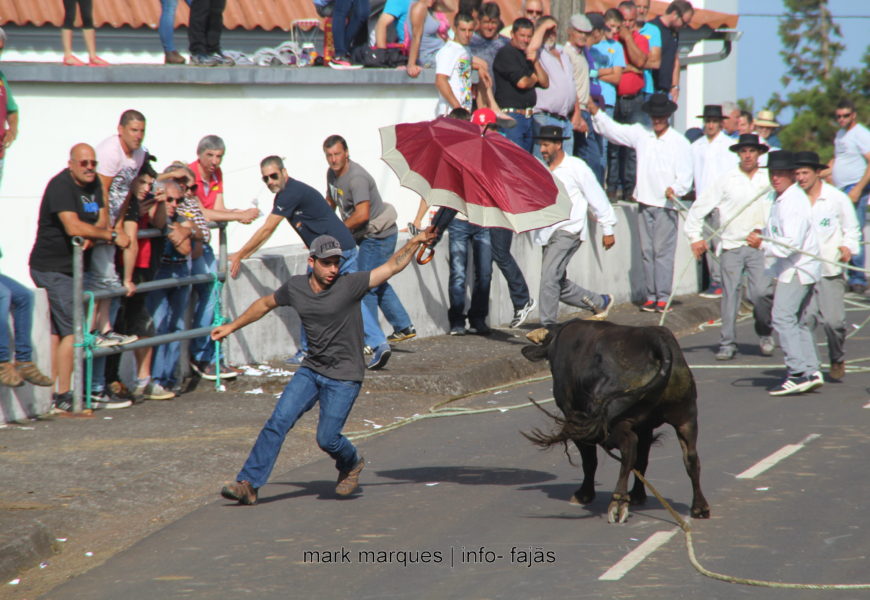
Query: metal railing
[80, 297]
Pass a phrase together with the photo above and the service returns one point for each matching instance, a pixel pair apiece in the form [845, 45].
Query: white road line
[636, 556]
[781, 454]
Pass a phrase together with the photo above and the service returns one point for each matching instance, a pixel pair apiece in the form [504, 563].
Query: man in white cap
[328, 303]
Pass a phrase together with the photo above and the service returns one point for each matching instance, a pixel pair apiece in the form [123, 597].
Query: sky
[759, 73]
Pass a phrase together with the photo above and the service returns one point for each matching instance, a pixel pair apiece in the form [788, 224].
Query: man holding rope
[836, 226]
[789, 239]
[741, 197]
[328, 303]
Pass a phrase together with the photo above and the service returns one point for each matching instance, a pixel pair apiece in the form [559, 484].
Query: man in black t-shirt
[666, 79]
[72, 205]
[328, 303]
[310, 216]
[516, 71]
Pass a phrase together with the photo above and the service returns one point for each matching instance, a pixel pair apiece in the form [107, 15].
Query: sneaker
[153, 391]
[400, 335]
[837, 370]
[766, 345]
[817, 380]
[30, 373]
[726, 353]
[119, 389]
[297, 358]
[480, 329]
[793, 385]
[348, 481]
[102, 341]
[648, 306]
[601, 313]
[380, 357]
[240, 491]
[662, 307]
[61, 403]
[209, 371]
[108, 401]
[521, 314]
[713, 292]
[458, 330]
[222, 60]
[342, 64]
[120, 337]
[368, 350]
[204, 60]
[9, 375]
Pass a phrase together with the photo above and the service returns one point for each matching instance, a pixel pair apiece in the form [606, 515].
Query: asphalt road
[464, 507]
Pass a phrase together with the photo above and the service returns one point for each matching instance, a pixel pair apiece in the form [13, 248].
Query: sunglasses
[88, 163]
[534, 12]
[843, 115]
[271, 176]
[173, 200]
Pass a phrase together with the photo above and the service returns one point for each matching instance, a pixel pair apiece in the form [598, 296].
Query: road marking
[636, 556]
[781, 454]
[867, 405]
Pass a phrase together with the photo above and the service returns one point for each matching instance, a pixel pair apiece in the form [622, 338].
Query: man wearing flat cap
[712, 158]
[790, 247]
[741, 196]
[664, 174]
[328, 303]
[561, 241]
[839, 236]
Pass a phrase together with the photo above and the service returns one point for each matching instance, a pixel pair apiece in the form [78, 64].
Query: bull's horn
[537, 336]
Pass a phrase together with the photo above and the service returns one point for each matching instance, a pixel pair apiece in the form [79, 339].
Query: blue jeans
[521, 134]
[18, 299]
[202, 348]
[463, 234]
[588, 148]
[500, 242]
[166, 26]
[300, 395]
[540, 119]
[167, 307]
[859, 277]
[98, 368]
[374, 337]
[348, 17]
[373, 253]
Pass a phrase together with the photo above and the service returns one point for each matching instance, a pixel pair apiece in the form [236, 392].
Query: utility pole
[562, 11]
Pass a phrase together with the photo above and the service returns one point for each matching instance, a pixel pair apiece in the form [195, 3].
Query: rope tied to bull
[89, 342]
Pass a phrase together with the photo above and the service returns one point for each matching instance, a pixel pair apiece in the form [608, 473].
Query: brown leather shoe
[9, 375]
[31, 374]
[174, 58]
[240, 491]
[837, 370]
[348, 481]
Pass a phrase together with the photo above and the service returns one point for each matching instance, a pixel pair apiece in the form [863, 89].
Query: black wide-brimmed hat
[749, 140]
[712, 111]
[808, 159]
[550, 132]
[780, 160]
[659, 105]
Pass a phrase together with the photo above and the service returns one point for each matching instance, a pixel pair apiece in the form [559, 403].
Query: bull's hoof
[581, 497]
[536, 336]
[617, 512]
[701, 512]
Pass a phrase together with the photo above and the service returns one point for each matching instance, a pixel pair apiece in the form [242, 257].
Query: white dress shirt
[791, 222]
[711, 159]
[836, 225]
[585, 192]
[662, 162]
[732, 194]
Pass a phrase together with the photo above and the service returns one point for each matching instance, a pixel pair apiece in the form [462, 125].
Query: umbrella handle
[422, 257]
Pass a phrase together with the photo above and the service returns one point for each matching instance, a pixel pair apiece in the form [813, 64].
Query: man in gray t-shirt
[332, 373]
[372, 223]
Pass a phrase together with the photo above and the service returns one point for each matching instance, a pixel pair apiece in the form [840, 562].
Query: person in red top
[209, 188]
[621, 160]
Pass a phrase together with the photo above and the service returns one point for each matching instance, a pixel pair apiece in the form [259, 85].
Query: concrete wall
[29, 400]
[423, 289]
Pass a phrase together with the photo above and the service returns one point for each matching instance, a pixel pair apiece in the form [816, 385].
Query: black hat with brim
[712, 111]
[659, 105]
[780, 160]
[749, 140]
[808, 159]
[550, 132]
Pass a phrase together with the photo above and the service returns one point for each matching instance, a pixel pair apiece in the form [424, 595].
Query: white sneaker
[521, 314]
[766, 345]
[154, 391]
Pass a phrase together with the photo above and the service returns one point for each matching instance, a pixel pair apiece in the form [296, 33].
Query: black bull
[615, 385]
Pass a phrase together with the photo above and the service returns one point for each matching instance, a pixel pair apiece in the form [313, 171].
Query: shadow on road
[469, 475]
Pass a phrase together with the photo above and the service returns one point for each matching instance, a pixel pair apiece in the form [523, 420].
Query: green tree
[809, 35]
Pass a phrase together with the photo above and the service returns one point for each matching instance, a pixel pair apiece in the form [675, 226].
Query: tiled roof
[252, 14]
